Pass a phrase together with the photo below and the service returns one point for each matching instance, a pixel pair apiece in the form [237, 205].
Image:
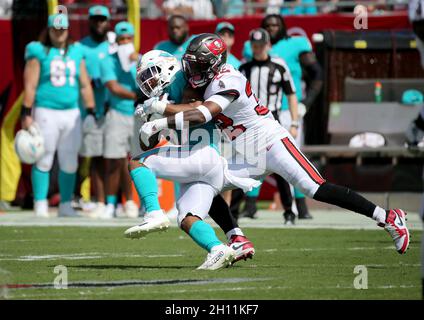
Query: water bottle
[378, 92]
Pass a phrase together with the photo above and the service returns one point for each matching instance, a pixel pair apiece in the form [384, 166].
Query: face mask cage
[150, 81]
[198, 73]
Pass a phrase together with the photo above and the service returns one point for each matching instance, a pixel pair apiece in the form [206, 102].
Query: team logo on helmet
[216, 47]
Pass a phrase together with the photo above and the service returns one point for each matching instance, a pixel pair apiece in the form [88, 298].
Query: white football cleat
[395, 225]
[153, 221]
[41, 208]
[108, 212]
[97, 211]
[66, 210]
[131, 209]
[220, 256]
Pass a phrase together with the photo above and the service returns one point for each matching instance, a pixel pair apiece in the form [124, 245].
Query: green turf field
[289, 264]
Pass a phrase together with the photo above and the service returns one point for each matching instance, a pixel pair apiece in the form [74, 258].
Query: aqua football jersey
[174, 49]
[208, 134]
[288, 49]
[111, 69]
[58, 85]
[94, 52]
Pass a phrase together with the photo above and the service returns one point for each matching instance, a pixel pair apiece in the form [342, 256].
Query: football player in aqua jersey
[179, 38]
[54, 77]
[226, 31]
[96, 48]
[297, 53]
[118, 75]
[195, 164]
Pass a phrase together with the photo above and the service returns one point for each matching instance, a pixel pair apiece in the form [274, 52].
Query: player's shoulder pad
[78, 46]
[160, 45]
[302, 43]
[35, 49]
[229, 83]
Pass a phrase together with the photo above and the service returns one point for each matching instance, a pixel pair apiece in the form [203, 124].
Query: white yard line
[323, 219]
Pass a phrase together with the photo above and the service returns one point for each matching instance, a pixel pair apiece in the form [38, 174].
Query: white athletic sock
[232, 232]
[379, 215]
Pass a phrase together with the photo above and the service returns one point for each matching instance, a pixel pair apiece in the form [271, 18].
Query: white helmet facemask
[156, 70]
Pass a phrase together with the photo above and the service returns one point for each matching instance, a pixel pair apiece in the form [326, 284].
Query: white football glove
[89, 123]
[150, 128]
[156, 105]
[139, 112]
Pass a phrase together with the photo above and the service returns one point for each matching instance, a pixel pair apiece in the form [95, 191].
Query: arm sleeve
[287, 82]
[303, 45]
[222, 100]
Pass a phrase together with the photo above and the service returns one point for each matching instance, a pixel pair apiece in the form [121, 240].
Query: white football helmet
[29, 144]
[155, 71]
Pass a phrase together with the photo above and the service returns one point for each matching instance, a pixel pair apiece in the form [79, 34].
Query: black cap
[259, 35]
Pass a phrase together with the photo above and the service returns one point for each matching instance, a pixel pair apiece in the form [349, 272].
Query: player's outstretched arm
[194, 117]
[173, 109]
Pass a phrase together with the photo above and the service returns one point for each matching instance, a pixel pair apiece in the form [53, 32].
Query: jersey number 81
[58, 72]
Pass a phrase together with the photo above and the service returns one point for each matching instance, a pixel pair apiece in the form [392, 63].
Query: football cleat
[66, 210]
[154, 221]
[242, 246]
[220, 256]
[41, 208]
[395, 225]
[289, 217]
[131, 209]
[108, 212]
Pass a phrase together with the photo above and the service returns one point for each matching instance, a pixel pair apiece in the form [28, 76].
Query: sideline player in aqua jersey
[119, 121]
[297, 53]
[187, 164]
[96, 48]
[54, 76]
[226, 31]
[178, 33]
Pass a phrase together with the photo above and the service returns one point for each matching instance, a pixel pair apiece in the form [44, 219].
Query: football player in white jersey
[266, 146]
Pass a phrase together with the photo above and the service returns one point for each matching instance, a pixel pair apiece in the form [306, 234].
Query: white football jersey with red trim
[245, 120]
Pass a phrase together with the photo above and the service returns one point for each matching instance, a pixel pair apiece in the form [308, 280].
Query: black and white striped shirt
[269, 80]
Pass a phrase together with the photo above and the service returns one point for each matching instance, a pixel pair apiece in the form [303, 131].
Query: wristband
[206, 113]
[294, 124]
[159, 106]
[26, 111]
[179, 120]
[90, 111]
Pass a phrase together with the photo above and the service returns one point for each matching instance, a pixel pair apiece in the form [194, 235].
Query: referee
[270, 78]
